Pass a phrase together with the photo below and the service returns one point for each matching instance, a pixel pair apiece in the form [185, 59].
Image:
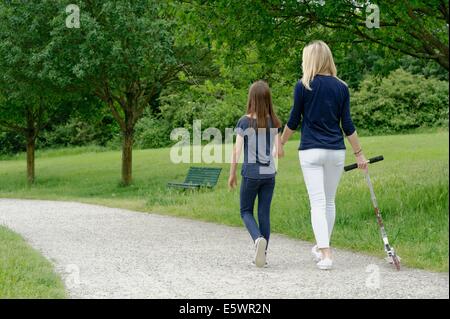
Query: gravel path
[114, 253]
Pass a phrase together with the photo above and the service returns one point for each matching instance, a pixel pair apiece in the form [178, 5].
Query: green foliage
[119, 42]
[354, 63]
[26, 99]
[74, 132]
[151, 132]
[417, 28]
[88, 123]
[78, 132]
[11, 143]
[400, 102]
[221, 101]
[125, 53]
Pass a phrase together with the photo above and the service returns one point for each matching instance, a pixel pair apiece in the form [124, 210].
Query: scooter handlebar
[371, 161]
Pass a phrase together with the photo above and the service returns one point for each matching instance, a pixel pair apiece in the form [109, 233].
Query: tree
[26, 100]
[415, 28]
[125, 53]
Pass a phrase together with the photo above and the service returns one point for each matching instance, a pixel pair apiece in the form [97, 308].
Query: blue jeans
[263, 189]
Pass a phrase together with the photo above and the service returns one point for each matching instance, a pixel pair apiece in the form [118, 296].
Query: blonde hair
[317, 59]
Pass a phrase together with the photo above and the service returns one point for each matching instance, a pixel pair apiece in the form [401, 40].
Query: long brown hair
[260, 104]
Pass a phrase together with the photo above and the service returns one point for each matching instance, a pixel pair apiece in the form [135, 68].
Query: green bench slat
[198, 179]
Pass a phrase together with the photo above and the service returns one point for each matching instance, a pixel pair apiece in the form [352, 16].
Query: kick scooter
[391, 255]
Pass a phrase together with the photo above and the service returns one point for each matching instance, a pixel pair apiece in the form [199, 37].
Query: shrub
[11, 143]
[72, 133]
[152, 133]
[400, 102]
[79, 131]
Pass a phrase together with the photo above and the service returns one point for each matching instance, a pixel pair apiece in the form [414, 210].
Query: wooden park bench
[199, 177]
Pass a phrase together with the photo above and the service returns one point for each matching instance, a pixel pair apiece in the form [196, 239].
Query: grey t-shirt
[258, 146]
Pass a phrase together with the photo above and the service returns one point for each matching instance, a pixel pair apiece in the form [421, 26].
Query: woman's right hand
[362, 161]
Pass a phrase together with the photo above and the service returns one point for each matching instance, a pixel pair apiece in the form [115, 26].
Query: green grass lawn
[411, 186]
[24, 273]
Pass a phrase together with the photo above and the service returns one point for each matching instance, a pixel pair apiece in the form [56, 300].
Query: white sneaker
[316, 254]
[260, 253]
[325, 264]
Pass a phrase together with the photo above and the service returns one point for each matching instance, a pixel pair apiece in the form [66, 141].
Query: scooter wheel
[396, 262]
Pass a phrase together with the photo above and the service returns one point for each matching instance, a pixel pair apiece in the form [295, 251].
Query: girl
[322, 105]
[257, 131]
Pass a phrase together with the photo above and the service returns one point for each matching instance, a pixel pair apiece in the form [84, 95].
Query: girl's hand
[232, 181]
[281, 151]
[277, 153]
[362, 162]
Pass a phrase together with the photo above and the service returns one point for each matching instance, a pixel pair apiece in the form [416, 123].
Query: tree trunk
[127, 157]
[31, 145]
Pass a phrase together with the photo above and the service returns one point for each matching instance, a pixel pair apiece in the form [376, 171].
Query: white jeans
[322, 170]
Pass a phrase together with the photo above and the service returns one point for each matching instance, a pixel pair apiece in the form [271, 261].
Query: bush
[11, 143]
[399, 103]
[152, 133]
[72, 133]
[217, 105]
[78, 131]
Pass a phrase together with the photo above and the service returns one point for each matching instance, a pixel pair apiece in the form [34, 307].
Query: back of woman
[322, 107]
[321, 102]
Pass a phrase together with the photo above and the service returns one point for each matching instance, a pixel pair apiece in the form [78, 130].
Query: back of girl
[258, 135]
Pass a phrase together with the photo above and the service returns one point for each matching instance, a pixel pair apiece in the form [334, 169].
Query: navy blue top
[258, 158]
[324, 112]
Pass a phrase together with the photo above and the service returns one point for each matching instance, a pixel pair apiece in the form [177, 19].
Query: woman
[257, 134]
[322, 105]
